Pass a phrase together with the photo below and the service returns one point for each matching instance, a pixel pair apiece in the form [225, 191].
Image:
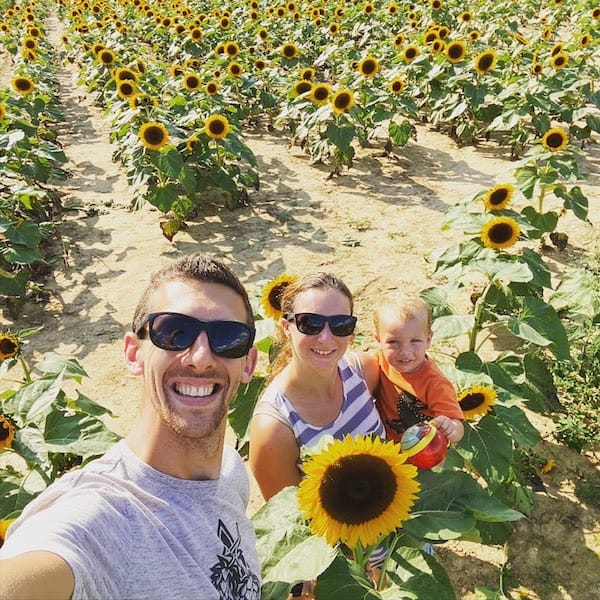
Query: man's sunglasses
[176, 332]
[313, 324]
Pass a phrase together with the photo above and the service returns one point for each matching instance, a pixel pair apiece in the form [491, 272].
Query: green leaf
[452, 326]
[53, 364]
[540, 223]
[401, 133]
[541, 272]
[21, 255]
[169, 163]
[88, 406]
[187, 177]
[343, 580]
[242, 407]
[32, 401]
[162, 196]
[14, 285]
[340, 135]
[543, 318]
[525, 331]
[26, 233]
[527, 179]
[13, 493]
[518, 426]
[439, 525]
[574, 200]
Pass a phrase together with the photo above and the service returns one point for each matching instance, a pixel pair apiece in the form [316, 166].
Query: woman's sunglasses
[313, 324]
[176, 332]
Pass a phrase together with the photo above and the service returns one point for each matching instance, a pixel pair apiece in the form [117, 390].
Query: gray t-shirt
[129, 531]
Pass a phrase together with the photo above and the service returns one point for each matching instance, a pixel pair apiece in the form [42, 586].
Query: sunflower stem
[25, 368]
[478, 313]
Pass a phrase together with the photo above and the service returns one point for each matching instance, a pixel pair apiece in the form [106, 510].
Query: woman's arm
[370, 370]
[274, 455]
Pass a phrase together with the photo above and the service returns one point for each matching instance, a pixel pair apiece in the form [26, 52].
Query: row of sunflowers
[182, 81]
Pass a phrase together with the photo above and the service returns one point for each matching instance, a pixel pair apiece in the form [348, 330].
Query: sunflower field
[184, 84]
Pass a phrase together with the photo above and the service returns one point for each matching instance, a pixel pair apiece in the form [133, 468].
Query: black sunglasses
[313, 324]
[176, 332]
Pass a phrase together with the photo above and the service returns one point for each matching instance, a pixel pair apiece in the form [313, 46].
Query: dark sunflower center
[559, 61]
[471, 401]
[455, 51]
[7, 347]
[5, 429]
[193, 82]
[288, 51]
[217, 127]
[411, 53]
[303, 87]
[342, 101]
[235, 69]
[501, 232]
[357, 489]
[154, 135]
[485, 62]
[397, 86]
[320, 93]
[23, 85]
[369, 67]
[498, 196]
[554, 140]
[211, 88]
[126, 88]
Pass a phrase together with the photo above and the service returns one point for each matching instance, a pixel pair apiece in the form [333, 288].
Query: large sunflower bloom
[191, 82]
[231, 49]
[357, 490]
[499, 196]
[485, 61]
[289, 50]
[7, 431]
[456, 51]
[368, 66]
[555, 139]
[9, 346]
[23, 85]
[271, 295]
[559, 61]
[500, 233]
[410, 53]
[235, 69]
[126, 89]
[396, 85]
[154, 135]
[320, 93]
[125, 73]
[106, 57]
[217, 127]
[342, 101]
[476, 400]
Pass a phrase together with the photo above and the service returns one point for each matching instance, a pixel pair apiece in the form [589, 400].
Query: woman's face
[323, 350]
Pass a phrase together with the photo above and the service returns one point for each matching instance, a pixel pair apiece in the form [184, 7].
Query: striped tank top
[358, 415]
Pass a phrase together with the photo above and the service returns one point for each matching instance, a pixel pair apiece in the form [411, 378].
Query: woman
[315, 389]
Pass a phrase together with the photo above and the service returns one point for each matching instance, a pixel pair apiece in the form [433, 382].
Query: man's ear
[132, 354]
[249, 365]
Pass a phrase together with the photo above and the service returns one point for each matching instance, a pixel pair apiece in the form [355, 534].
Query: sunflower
[585, 40]
[342, 101]
[466, 16]
[191, 143]
[123, 74]
[2, 111]
[216, 127]
[28, 55]
[436, 4]
[555, 139]
[558, 61]
[107, 57]
[456, 51]
[521, 39]
[271, 295]
[368, 66]
[143, 101]
[410, 53]
[196, 34]
[235, 69]
[476, 400]
[9, 346]
[320, 93]
[430, 37]
[262, 33]
[23, 85]
[308, 74]
[126, 89]
[499, 196]
[301, 87]
[500, 233]
[368, 9]
[192, 63]
[537, 68]
[153, 135]
[357, 490]
[7, 431]
[334, 28]
[443, 32]
[260, 64]
[557, 48]
[231, 49]
[397, 86]
[212, 87]
[474, 35]
[438, 47]
[192, 82]
[176, 70]
[485, 61]
[30, 43]
[596, 13]
[4, 525]
[289, 50]
[398, 40]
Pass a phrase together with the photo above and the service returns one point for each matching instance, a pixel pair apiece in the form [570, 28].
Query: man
[163, 512]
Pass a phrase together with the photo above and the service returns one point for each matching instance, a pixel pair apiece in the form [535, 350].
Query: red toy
[425, 445]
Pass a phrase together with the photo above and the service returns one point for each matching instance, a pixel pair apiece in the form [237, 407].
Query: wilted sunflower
[271, 295]
[357, 490]
[410, 53]
[7, 431]
[320, 93]
[126, 89]
[555, 139]
[342, 101]
[231, 49]
[191, 82]
[23, 85]
[559, 61]
[499, 196]
[9, 346]
[485, 61]
[153, 135]
[456, 51]
[368, 66]
[476, 400]
[396, 86]
[289, 50]
[500, 233]
[106, 57]
[301, 87]
[216, 127]
[212, 87]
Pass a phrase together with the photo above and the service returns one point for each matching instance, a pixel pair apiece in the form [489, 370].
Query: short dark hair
[199, 267]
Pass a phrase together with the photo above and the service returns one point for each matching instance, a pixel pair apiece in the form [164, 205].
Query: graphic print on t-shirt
[231, 574]
[409, 409]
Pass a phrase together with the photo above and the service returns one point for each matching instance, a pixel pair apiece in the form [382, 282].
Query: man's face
[190, 390]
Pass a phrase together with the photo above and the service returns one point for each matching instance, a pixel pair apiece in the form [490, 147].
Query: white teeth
[194, 390]
[321, 352]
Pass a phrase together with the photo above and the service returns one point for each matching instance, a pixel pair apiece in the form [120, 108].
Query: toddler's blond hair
[403, 306]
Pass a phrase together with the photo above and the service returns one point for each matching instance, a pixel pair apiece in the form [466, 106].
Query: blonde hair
[404, 307]
[317, 280]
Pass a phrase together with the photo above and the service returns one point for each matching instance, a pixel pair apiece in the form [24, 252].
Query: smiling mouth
[195, 391]
[323, 352]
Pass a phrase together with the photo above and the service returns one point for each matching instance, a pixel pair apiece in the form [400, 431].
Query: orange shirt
[427, 392]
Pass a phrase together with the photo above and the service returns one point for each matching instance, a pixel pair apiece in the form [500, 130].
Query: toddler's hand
[444, 425]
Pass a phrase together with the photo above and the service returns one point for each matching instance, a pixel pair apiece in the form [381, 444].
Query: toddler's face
[404, 342]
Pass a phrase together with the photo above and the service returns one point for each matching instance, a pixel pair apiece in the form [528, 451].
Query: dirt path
[373, 226]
